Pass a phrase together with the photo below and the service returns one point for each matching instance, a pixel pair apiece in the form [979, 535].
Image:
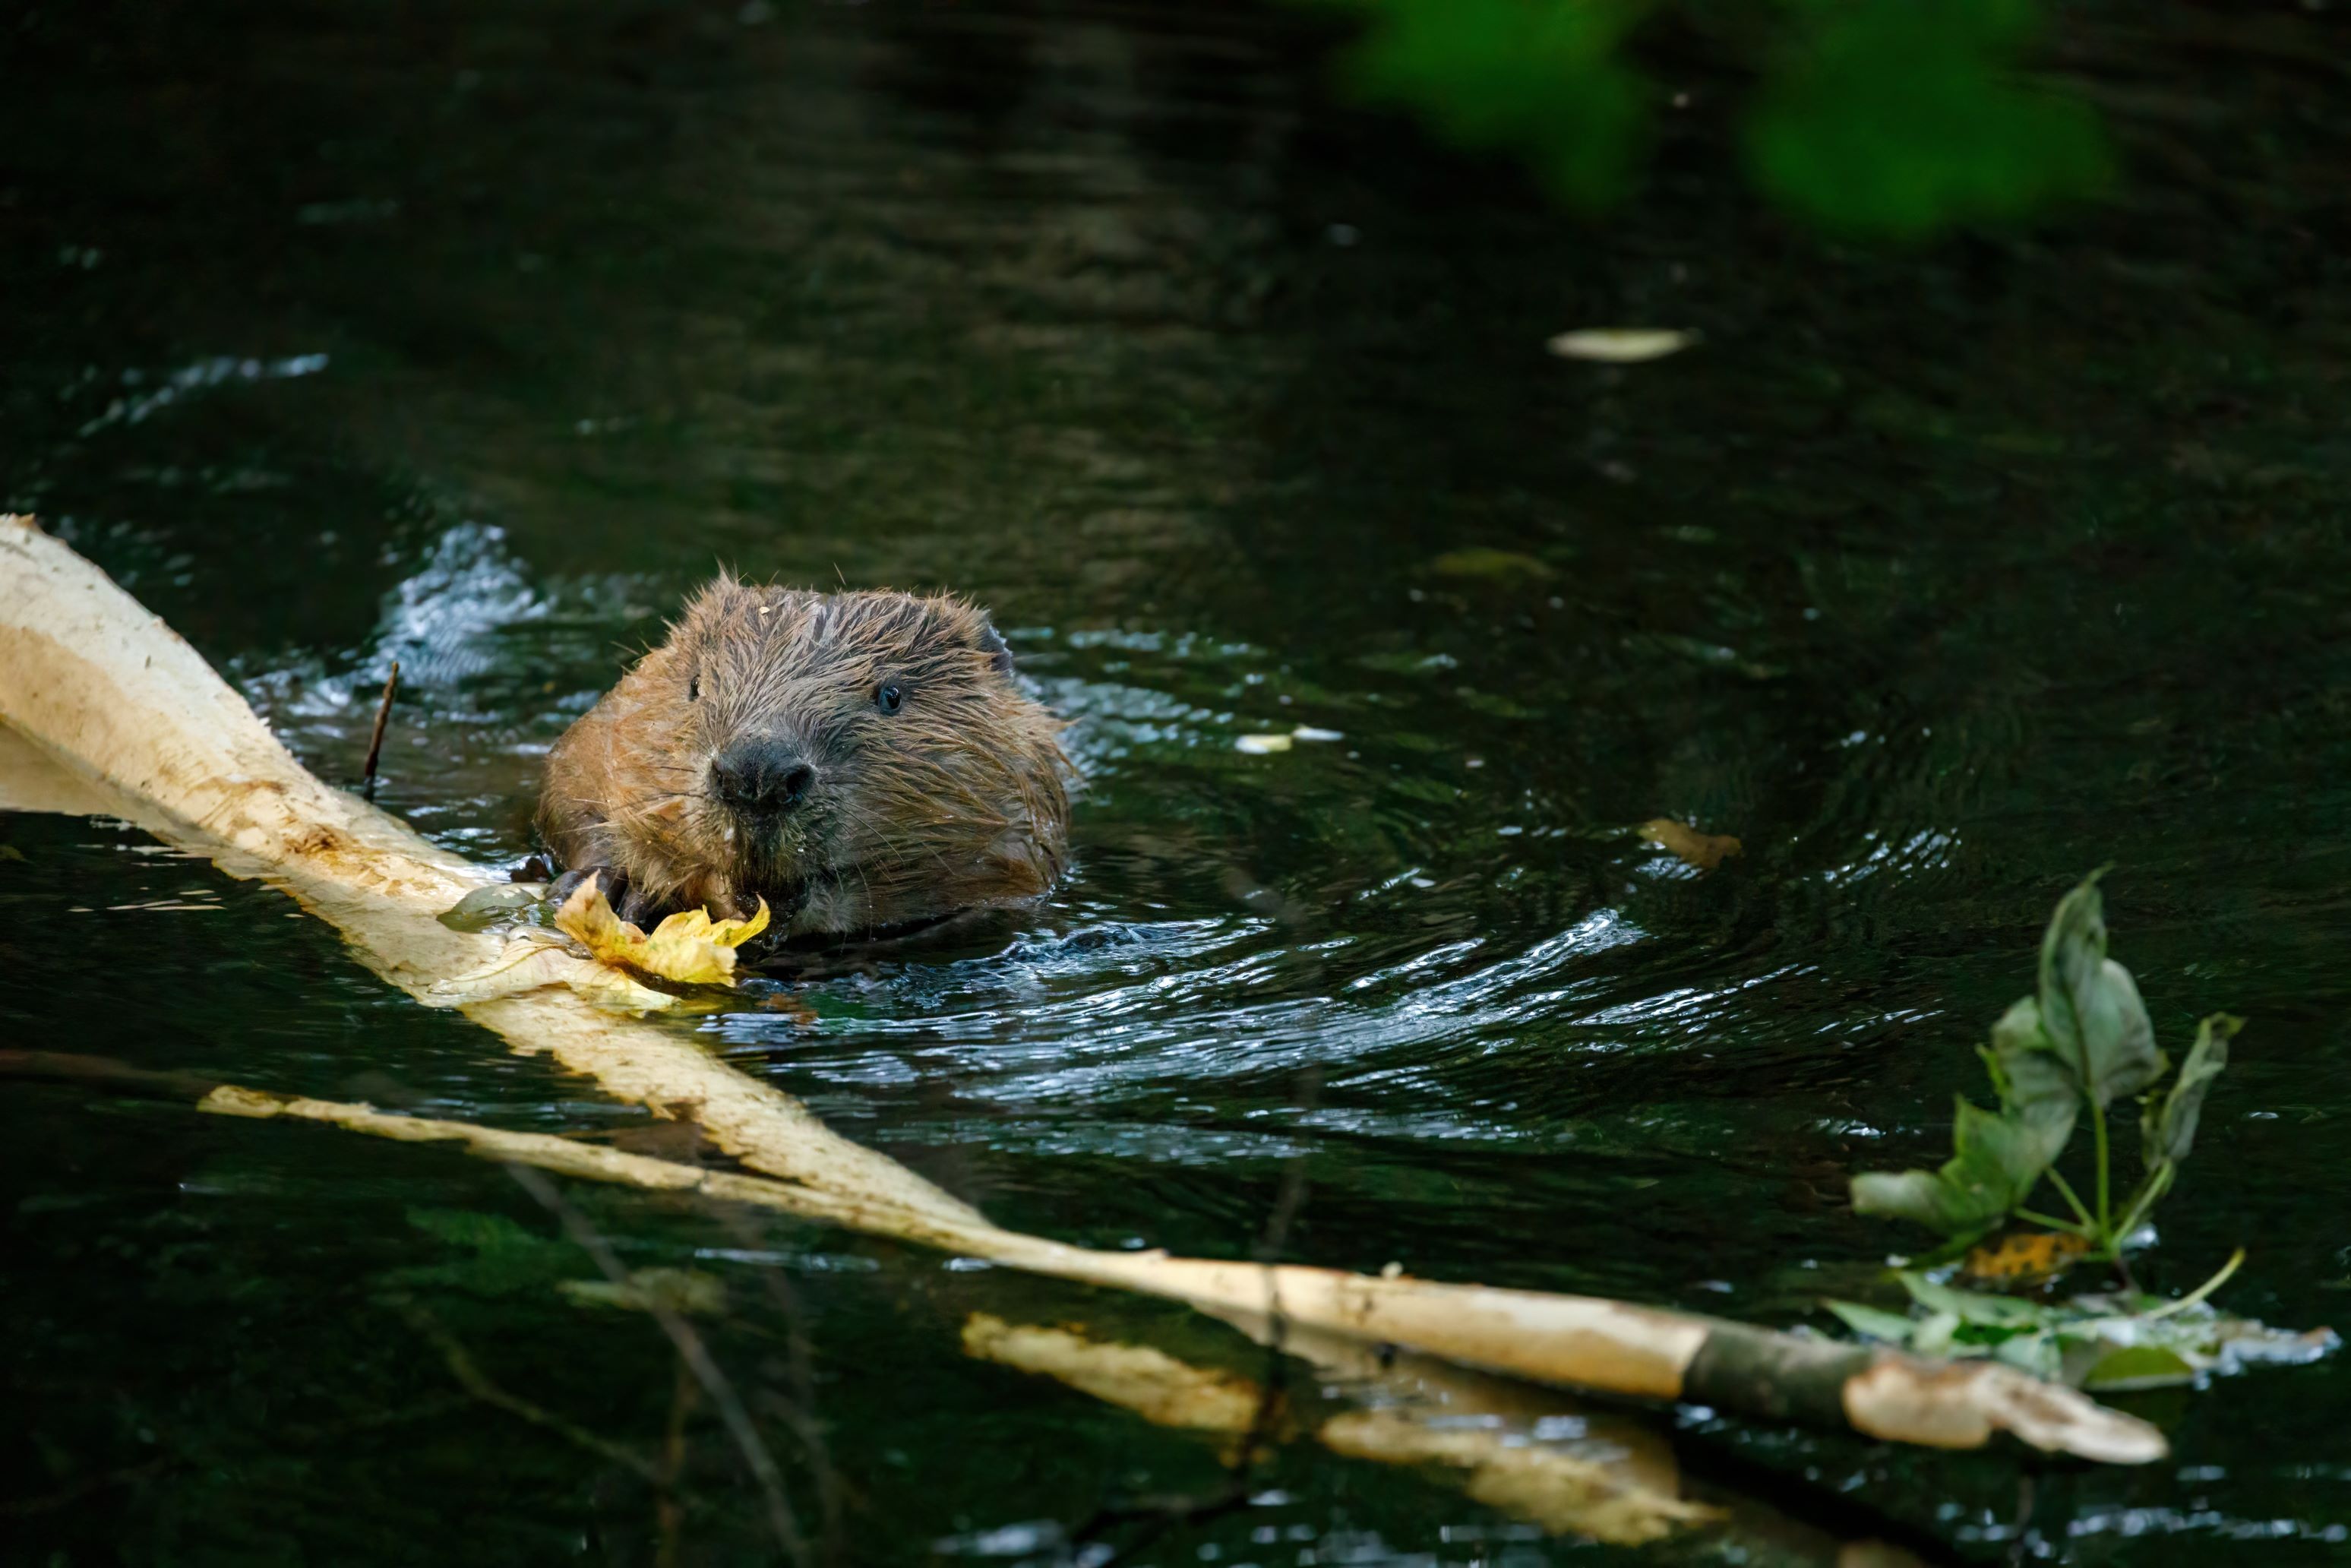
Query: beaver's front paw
[613, 883]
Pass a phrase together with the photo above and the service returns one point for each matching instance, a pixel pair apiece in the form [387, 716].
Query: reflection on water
[474, 337]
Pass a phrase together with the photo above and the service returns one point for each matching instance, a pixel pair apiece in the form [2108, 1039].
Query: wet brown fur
[959, 798]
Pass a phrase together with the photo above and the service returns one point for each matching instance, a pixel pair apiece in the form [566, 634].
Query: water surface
[474, 336]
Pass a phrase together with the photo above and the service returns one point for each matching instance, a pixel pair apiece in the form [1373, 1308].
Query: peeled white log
[117, 701]
[1603, 1497]
[115, 695]
[1629, 1493]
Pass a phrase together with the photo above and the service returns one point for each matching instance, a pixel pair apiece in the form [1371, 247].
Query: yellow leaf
[689, 948]
[1263, 745]
[1620, 345]
[694, 949]
[734, 933]
[684, 1290]
[588, 918]
[1484, 562]
[615, 991]
[2025, 1258]
[1704, 851]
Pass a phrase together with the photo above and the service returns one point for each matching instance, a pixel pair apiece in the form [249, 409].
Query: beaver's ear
[1000, 657]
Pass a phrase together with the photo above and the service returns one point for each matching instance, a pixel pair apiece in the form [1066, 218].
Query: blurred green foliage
[1897, 118]
[1545, 80]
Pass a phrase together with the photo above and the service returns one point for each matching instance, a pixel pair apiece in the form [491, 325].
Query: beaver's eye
[889, 698]
[693, 688]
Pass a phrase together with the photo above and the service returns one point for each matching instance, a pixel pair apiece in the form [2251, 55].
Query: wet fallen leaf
[1308, 732]
[1874, 1323]
[689, 948]
[1704, 851]
[683, 1290]
[1488, 563]
[2024, 1259]
[2139, 1366]
[1620, 345]
[2106, 1342]
[1151, 1382]
[1973, 1306]
[495, 1257]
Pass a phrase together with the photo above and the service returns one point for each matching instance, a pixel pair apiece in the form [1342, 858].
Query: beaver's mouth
[785, 897]
[790, 885]
[839, 887]
[773, 856]
[862, 937]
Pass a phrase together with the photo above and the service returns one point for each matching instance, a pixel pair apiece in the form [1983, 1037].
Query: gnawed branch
[1578, 1341]
[105, 690]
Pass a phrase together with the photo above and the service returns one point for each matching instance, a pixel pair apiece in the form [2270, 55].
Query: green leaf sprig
[2082, 1041]
[2107, 1344]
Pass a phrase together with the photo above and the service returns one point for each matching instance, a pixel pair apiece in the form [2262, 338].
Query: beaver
[865, 761]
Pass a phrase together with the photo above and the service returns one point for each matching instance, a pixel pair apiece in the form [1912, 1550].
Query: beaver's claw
[612, 881]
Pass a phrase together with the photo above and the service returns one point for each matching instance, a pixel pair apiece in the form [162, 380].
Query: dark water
[474, 335]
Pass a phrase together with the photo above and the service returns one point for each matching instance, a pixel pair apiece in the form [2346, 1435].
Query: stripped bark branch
[133, 718]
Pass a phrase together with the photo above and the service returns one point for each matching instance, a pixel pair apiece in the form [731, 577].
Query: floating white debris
[1265, 745]
[1620, 345]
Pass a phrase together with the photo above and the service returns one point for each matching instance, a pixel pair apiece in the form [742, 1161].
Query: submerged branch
[470, 1377]
[693, 1352]
[1563, 1493]
[1580, 1341]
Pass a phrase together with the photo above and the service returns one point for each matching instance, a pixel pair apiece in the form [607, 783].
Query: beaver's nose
[761, 778]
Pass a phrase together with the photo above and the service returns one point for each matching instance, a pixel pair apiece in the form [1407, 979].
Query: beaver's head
[862, 760]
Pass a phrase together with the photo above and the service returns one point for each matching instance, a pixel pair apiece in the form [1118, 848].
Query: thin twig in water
[25, 1507]
[697, 1357]
[477, 1382]
[375, 741]
[799, 1412]
[1161, 1515]
[1271, 1244]
[668, 1515]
